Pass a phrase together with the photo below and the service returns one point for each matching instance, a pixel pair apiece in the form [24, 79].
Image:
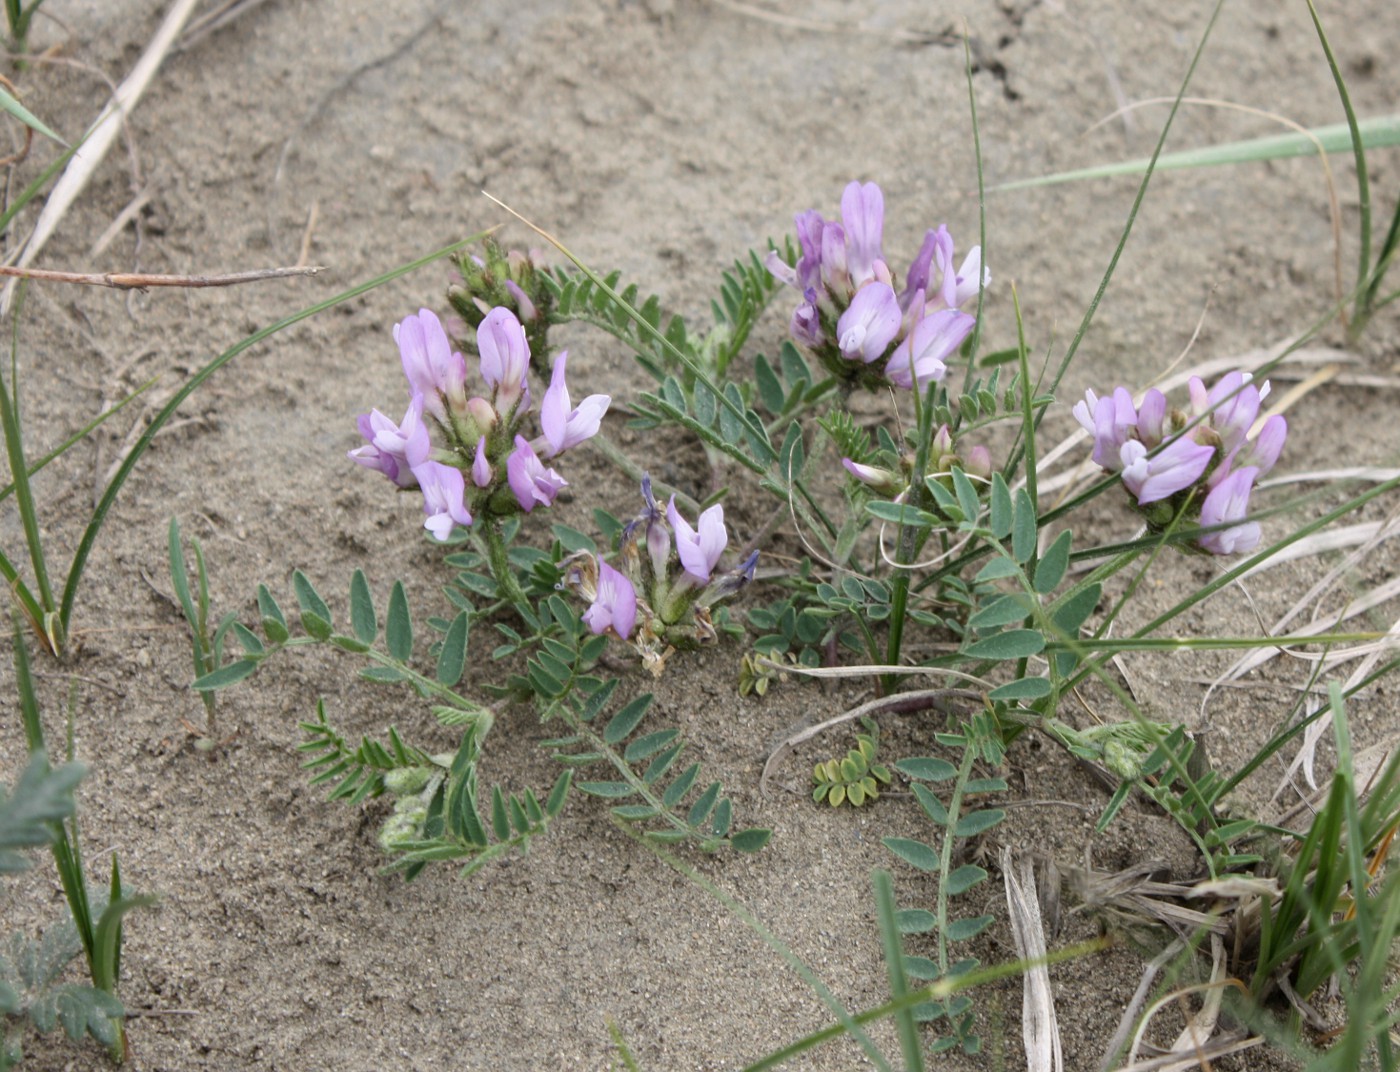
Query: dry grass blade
[104, 131]
[1040, 1031]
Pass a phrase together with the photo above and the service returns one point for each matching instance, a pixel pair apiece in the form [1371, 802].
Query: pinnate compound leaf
[681, 786]
[620, 727]
[915, 920]
[967, 495]
[558, 794]
[225, 676]
[975, 822]
[1023, 527]
[363, 620]
[274, 623]
[315, 615]
[997, 569]
[1004, 610]
[964, 878]
[1050, 569]
[398, 627]
[700, 810]
[1012, 644]
[929, 768]
[751, 840]
[913, 852]
[649, 745]
[1026, 688]
[962, 929]
[933, 807]
[452, 659]
[1001, 509]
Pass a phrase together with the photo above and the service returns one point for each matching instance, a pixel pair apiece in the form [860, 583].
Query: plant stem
[498, 555]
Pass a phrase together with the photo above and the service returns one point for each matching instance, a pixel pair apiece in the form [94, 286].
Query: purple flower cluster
[667, 583]
[478, 435]
[1163, 454]
[851, 315]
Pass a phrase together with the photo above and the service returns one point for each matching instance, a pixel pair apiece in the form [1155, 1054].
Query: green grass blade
[81, 434]
[1374, 133]
[25, 116]
[114, 486]
[19, 473]
[890, 938]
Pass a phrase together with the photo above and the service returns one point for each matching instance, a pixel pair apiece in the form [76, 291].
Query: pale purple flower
[809, 236]
[834, 273]
[1234, 403]
[921, 356]
[1228, 502]
[961, 287]
[615, 604]
[979, 462]
[869, 323]
[806, 325]
[699, 551]
[481, 465]
[564, 427]
[863, 216]
[867, 474]
[1176, 466]
[1151, 417]
[394, 449]
[505, 356]
[916, 282]
[1263, 452]
[533, 484]
[433, 368]
[1111, 420]
[527, 308]
[443, 492]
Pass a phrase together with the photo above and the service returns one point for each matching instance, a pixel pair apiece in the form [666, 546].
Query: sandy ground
[663, 139]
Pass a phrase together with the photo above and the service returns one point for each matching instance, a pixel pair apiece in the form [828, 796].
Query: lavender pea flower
[505, 357]
[532, 483]
[433, 368]
[863, 216]
[1227, 502]
[869, 323]
[481, 465]
[921, 356]
[614, 606]
[1176, 466]
[564, 427]
[699, 551]
[1110, 420]
[443, 498]
[394, 449]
